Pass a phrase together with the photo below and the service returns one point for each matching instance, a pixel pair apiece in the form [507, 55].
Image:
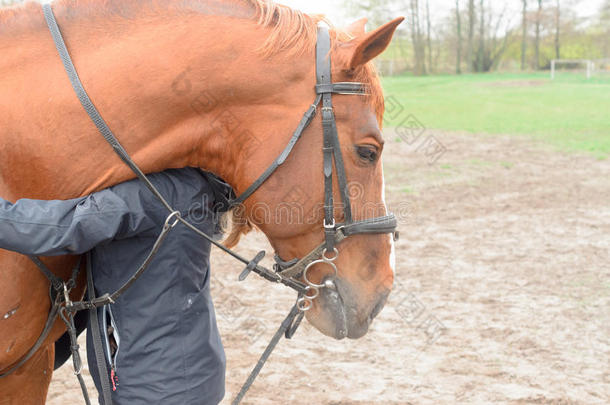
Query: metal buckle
[329, 226]
[67, 300]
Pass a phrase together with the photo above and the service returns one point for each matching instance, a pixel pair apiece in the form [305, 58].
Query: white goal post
[587, 63]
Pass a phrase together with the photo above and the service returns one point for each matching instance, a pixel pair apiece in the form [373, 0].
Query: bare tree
[470, 44]
[537, 43]
[499, 37]
[458, 62]
[419, 47]
[604, 21]
[429, 36]
[557, 28]
[481, 50]
[523, 34]
[494, 37]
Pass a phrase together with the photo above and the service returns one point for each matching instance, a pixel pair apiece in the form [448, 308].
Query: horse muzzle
[341, 315]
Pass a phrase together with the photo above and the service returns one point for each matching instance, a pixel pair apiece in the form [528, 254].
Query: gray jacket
[169, 348]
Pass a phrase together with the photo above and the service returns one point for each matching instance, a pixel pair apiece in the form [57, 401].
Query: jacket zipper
[108, 322]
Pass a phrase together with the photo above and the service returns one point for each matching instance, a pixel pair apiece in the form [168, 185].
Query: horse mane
[291, 30]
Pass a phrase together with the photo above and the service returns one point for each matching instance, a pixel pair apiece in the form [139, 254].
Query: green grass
[570, 112]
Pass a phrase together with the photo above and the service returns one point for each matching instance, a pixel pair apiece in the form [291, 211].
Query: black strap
[88, 104]
[323, 75]
[100, 358]
[305, 121]
[56, 282]
[378, 225]
[352, 88]
[106, 299]
[341, 175]
[386, 224]
[326, 88]
[67, 315]
[287, 328]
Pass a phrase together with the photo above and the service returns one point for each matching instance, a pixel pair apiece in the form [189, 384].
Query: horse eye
[368, 154]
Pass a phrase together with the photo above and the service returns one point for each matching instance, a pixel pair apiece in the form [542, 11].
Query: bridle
[334, 233]
[294, 274]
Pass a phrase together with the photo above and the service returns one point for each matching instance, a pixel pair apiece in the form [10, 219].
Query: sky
[438, 8]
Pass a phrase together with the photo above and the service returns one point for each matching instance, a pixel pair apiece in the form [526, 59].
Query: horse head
[289, 206]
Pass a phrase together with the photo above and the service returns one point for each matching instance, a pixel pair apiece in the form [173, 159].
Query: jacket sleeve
[53, 228]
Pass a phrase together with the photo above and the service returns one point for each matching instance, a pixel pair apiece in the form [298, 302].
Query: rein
[287, 273]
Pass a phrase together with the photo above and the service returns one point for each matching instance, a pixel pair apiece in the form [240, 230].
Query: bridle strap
[385, 224]
[324, 82]
[332, 146]
[351, 88]
[305, 121]
[323, 71]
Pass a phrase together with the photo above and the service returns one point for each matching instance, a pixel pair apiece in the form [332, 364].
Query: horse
[214, 84]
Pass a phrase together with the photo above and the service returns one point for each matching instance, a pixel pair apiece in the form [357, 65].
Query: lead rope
[287, 328]
[67, 315]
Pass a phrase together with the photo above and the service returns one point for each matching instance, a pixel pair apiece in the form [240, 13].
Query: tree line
[474, 36]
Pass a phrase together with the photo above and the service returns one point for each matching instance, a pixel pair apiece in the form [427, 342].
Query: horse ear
[368, 46]
[356, 29]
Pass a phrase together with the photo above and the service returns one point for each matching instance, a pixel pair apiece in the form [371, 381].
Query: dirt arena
[502, 290]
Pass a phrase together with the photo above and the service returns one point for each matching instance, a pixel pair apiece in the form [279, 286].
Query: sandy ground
[502, 290]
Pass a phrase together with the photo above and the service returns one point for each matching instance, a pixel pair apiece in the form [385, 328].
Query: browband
[342, 88]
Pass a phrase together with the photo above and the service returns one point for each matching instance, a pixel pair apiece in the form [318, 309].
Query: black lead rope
[287, 328]
[67, 315]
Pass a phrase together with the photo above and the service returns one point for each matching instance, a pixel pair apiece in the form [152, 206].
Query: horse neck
[177, 92]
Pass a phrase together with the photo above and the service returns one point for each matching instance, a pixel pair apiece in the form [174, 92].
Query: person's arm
[53, 228]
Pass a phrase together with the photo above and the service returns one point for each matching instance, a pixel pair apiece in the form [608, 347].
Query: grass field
[570, 112]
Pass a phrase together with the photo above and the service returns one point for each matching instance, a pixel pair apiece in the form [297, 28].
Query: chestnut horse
[219, 85]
